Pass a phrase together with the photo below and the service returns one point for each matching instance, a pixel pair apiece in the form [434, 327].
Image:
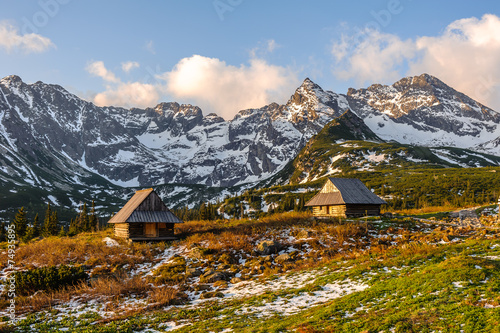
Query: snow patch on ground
[296, 303]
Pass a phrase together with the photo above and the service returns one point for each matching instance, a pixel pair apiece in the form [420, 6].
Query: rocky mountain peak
[12, 80]
[423, 82]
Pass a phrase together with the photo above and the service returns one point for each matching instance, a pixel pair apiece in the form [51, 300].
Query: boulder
[282, 258]
[213, 277]
[200, 252]
[268, 247]
[193, 272]
[304, 234]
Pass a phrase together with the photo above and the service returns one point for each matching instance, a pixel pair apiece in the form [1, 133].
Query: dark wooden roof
[132, 213]
[148, 216]
[351, 191]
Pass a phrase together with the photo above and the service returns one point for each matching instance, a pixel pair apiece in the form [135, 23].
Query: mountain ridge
[45, 126]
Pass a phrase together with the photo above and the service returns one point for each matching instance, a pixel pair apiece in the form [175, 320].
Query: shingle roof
[149, 216]
[351, 191]
[129, 214]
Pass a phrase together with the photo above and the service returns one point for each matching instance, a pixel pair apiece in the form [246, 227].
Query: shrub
[48, 278]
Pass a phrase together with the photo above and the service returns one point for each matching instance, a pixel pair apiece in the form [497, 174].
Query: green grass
[417, 287]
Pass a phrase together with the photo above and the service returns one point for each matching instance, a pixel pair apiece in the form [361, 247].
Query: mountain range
[66, 149]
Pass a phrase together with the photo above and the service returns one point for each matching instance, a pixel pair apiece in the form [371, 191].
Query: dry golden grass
[426, 210]
[163, 296]
[88, 249]
[109, 286]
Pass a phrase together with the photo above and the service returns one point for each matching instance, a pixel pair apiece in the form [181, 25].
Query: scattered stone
[227, 258]
[387, 215]
[211, 294]
[220, 285]
[193, 272]
[268, 247]
[200, 252]
[213, 277]
[201, 287]
[282, 258]
[236, 280]
[304, 234]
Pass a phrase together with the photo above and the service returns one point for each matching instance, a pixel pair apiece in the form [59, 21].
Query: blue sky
[226, 55]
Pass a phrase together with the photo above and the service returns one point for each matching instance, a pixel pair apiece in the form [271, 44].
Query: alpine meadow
[184, 167]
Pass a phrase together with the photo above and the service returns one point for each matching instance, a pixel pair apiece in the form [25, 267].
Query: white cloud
[129, 65]
[132, 94]
[225, 89]
[118, 93]
[264, 48]
[209, 83]
[371, 56]
[10, 39]
[271, 45]
[150, 47]
[97, 68]
[466, 56]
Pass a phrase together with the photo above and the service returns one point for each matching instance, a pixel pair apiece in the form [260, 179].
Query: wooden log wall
[121, 230]
[166, 229]
[136, 230]
[346, 210]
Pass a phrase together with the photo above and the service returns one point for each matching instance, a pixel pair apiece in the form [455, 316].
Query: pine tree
[33, 230]
[203, 212]
[46, 222]
[73, 229]
[21, 223]
[61, 233]
[93, 220]
[36, 226]
[50, 223]
[3, 232]
[83, 219]
[54, 221]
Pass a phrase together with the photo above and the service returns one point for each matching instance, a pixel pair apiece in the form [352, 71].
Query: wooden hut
[145, 218]
[345, 197]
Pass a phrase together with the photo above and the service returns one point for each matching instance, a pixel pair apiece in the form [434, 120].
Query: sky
[229, 55]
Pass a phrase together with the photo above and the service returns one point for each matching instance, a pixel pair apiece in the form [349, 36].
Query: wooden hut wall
[335, 210]
[152, 203]
[136, 229]
[362, 210]
[165, 229]
[329, 188]
[346, 210]
[121, 230]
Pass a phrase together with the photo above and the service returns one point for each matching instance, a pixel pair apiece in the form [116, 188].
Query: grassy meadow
[399, 274]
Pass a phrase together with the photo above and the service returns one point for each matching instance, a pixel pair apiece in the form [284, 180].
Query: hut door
[151, 230]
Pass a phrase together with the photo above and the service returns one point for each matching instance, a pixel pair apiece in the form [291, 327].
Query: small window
[162, 225]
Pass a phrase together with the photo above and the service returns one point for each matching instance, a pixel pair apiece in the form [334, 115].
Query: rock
[200, 252]
[387, 215]
[201, 287]
[227, 258]
[282, 258]
[268, 247]
[211, 294]
[304, 234]
[217, 276]
[236, 280]
[193, 272]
